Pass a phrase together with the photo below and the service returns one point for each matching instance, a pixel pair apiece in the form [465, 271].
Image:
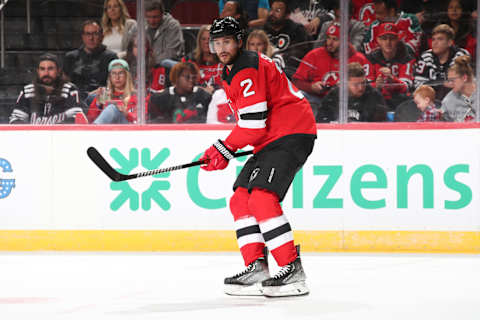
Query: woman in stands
[210, 68]
[461, 21]
[117, 103]
[184, 102]
[117, 26]
[459, 104]
[258, 41]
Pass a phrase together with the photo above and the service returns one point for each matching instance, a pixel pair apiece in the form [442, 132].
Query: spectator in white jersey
[117, 26]
[49, 99]
[432, 67]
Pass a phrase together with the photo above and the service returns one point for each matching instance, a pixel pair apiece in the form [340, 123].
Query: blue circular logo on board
[6, 185]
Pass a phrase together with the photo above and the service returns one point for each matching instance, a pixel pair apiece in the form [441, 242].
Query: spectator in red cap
[393, 65]
[408, 26]
[319, 69]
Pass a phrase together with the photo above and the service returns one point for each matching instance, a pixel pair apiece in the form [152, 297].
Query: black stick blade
[97, 158]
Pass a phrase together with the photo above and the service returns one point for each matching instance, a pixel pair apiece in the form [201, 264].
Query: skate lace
[247, 270]
[283, 272]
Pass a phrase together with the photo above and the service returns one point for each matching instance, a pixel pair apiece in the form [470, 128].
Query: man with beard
[319, 69]
[49, 99]
[290, 39]
[274, 118]
[87, 66]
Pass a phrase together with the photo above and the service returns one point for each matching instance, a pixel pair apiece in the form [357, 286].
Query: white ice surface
[97, 286]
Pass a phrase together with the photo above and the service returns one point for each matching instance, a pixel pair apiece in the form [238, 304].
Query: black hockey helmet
[223, 27]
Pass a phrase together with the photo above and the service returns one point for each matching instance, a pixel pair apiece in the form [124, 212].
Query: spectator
[312, 14]
[258, 41]
[235, 10]
[458, 104]
[182, 103]
[155, 76]
[289, 39]
[207, 62]
[424, 98]
[117, 26]
[433, 64]
[117, 103]
[392, 65]
[87, 66]
[164, 34]
[255, 15]
[408, 26]
[365, 103]
[364, 11]
[461, 22]
[319, 70]
[356, 29]
[49, 99]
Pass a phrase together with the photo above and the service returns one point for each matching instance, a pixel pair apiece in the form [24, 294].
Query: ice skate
[289, 281]
[248, 282]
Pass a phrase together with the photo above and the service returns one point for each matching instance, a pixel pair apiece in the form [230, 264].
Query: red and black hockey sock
[275, 228]
[249, 237]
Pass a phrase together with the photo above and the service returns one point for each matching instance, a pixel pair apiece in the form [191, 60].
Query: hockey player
[433, 64]
[274, 118]
[49, 99]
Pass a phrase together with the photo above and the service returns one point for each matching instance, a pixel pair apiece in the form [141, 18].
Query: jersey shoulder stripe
[254, 116]
[246, 59]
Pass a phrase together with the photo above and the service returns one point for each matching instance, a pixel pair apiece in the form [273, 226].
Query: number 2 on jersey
[247, 83]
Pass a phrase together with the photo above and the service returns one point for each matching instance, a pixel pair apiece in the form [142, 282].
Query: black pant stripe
[248, 230]
[277, 232]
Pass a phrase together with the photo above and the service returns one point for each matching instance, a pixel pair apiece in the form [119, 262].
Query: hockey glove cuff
[217, 156]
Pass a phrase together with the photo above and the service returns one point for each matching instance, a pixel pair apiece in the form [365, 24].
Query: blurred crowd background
[75, 61]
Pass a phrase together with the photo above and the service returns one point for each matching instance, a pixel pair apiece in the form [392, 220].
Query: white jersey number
[247, 83]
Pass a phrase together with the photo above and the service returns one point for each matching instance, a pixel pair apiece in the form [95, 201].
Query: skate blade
[239, 290]
[289, 290]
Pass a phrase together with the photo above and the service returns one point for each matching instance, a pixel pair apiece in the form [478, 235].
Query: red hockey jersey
[319, 65]
[209, 74]
[410, 32]
[266, 104]
[401, 66]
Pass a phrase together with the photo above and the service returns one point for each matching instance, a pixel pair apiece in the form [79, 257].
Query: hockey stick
[116, 176]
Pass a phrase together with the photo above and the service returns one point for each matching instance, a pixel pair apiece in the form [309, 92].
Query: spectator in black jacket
[182, 103]
[87, 66]
[365, 103]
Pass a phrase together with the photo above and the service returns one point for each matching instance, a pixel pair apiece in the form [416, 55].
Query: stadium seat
[195, 11]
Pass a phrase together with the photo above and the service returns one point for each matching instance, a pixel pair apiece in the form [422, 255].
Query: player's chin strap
[224, 150]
